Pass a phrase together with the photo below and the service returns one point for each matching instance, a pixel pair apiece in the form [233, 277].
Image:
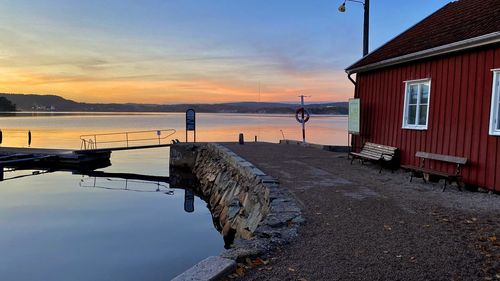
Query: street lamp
[366, 24]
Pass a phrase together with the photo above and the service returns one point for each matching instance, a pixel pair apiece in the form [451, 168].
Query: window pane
[424, 93]
[412, 113]
[413, 93]
[496, 117]
[422, 119]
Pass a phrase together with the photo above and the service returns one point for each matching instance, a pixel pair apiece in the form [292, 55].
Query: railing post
[95, 141]
[126, 137]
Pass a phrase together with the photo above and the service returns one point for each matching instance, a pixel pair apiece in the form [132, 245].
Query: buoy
[299, 112]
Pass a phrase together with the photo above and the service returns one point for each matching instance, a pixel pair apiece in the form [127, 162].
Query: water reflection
[114, 181]
[101, 224]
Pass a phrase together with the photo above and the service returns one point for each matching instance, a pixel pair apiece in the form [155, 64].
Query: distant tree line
[6, 105]
[30, 102]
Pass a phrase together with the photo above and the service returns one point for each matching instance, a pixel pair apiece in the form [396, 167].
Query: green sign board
[353, 123]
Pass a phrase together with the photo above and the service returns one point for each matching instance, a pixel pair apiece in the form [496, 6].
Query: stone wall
[248, 207]
[236, 194]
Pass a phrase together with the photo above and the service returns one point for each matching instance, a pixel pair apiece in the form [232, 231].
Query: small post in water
[241, 139]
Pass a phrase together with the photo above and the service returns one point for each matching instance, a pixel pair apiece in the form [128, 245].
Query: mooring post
[1, 173]
[29, 138]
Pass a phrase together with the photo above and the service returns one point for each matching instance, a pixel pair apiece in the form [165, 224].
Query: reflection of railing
[158, 186]
[127, 138]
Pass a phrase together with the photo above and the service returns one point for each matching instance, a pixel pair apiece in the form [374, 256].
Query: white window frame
[495, 99]
[405, 105]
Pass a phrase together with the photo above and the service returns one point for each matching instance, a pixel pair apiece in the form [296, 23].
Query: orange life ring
[298, 115]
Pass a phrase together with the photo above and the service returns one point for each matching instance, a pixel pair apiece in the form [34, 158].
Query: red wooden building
[435, 88]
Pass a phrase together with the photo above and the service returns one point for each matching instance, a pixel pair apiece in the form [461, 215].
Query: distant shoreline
[76, 113]
[53, 103]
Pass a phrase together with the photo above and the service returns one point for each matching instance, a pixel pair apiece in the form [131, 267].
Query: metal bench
[449, 177]
[382, 154]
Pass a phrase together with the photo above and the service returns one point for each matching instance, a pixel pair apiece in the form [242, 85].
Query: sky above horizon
[191, 51]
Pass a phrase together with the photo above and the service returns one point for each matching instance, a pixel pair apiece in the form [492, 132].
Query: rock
[233, 209]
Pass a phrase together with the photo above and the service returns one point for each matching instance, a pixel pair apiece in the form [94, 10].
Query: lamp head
[342, 7]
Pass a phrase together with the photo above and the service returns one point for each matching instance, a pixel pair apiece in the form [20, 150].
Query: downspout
[352, 80]
[351, 145]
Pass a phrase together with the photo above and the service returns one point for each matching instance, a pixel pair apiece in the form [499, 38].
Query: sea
[58, 225]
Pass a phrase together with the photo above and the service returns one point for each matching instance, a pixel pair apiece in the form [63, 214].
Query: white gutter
[487, 39]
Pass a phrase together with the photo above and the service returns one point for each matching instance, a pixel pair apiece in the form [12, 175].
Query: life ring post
[302, 116]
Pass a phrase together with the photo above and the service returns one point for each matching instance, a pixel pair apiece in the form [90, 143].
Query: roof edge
[470, 43]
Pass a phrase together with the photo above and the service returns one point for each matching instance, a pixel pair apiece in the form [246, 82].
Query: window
[416, 107]
[495, 104]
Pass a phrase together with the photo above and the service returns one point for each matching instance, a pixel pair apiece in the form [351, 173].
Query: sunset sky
[176, 51]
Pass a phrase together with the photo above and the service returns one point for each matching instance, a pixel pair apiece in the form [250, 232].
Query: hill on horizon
[33, 102]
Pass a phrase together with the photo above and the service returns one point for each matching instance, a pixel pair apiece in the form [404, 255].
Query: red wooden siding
[459, 112]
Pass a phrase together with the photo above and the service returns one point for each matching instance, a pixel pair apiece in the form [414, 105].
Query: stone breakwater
[248, 207]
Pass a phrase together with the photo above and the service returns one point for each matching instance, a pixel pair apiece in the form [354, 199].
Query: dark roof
[457, 21]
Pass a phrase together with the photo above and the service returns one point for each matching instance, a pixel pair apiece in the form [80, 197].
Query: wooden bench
[449, 177]
[384, 155]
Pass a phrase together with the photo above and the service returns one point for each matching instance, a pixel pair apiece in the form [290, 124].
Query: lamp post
[366, 24]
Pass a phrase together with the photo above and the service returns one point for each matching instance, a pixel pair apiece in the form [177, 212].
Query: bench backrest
[379, 149]
[441, 157]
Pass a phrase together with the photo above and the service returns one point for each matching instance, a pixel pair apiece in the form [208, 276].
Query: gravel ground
[362, 225]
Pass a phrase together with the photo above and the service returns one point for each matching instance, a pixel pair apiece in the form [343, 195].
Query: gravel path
[362, 225]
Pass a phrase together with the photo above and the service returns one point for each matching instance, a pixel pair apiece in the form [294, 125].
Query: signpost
[190, 123]
[353, 124]
[353, 120]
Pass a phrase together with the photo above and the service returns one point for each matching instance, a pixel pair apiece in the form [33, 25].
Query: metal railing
[125, 138]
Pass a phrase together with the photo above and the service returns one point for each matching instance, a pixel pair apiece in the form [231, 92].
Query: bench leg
[459, 184]
[411, 176]
[352, 159]
[444, 186]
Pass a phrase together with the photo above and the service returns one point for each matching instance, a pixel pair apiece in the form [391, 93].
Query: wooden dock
[46, 158]
[14, 156]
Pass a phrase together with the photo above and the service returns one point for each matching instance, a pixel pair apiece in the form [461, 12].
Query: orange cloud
[321, 87]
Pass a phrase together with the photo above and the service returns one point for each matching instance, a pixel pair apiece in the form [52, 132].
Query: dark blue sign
[190, 120]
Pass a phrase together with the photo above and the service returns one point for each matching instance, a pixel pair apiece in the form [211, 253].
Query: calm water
[64, 131]
[60, 226]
